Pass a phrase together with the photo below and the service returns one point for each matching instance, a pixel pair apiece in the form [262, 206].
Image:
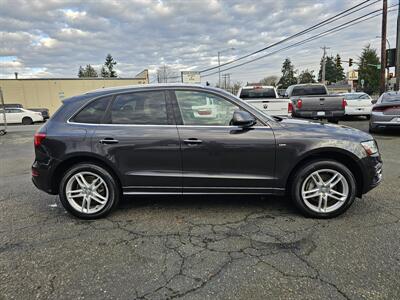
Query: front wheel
[323, 189]
[27, 121]
[88, 191]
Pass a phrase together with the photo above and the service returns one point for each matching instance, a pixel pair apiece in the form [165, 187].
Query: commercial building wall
[48, 93]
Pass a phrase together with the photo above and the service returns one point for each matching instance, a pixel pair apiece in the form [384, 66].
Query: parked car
[313, 101]
[43, 111]
[358, 104]
[92, 151]
[266, 99]
[21, 116]
[385, 112]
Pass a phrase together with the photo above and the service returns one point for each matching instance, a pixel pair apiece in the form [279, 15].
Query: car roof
[139, 87]
[247, 87]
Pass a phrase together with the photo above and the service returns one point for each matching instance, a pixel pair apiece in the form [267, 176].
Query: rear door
[140, 139]
[218, 157]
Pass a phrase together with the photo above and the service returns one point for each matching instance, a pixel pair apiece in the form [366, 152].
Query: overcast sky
[51, 38]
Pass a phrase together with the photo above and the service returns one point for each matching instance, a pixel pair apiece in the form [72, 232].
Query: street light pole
[383, 48]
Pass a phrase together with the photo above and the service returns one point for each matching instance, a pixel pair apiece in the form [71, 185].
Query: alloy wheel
[325, 190]
[87, 192]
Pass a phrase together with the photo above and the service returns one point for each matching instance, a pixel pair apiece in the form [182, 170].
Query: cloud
[51, 38]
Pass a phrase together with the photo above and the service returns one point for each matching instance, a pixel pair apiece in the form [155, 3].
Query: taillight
[379, 108]
[290, 108]
[344, 103]
[299, 103]
[38, 138]
[204, 112]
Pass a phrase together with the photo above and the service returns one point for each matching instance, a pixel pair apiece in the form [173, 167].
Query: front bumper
[372, 172]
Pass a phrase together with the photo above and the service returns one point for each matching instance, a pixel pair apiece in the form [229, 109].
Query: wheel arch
[68, 162]
[342, 156]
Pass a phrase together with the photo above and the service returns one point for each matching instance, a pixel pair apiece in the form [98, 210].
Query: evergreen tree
[339, 71]
[367, 70]
[109, 66]
[104, 73]
[330, 70]
[288, 74]
[306, 76]
[81, 72]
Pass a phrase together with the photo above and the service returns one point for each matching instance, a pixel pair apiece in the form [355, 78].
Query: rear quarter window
[93, 113]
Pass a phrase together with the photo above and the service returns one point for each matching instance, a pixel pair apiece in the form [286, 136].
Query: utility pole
[398, 50]
[219, 68]
[383, 48]
[323, 64]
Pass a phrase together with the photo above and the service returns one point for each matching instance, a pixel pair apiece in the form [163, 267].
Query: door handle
[192, 141]
[108, 141]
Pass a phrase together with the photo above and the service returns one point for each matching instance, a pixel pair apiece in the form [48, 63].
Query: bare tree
[270, 80]
[236, 86]
[167, 74]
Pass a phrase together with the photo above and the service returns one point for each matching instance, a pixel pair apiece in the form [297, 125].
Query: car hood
[310, 129]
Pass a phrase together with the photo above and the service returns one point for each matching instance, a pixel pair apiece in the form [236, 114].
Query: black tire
[334, 121]
[302, 174]
[372, 129]
[27, 121]
[368, 117]
[112, 185]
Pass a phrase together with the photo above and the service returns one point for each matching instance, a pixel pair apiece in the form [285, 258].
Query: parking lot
[196, 247]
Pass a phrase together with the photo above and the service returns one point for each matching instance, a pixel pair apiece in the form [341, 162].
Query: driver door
[217, 157]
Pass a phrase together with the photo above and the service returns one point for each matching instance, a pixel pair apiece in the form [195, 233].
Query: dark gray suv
[188, 139]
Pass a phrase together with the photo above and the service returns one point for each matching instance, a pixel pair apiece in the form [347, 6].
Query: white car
[20, 116]
[266, 99]
[358, 104]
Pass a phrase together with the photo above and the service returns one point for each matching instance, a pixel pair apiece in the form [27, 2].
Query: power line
[322, 34]
[316, 26]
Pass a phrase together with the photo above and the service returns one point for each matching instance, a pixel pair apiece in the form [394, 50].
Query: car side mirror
[373, 101]
[243, 119]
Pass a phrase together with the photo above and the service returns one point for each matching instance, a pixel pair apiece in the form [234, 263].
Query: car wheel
[372, 128]
[334, 121]
[323, 189]
[88, 191]
[27, 121]
[368, 117]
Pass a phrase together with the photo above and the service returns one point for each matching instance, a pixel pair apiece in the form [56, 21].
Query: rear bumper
[42, 177]
[372, 172]
[358, 111]
[317, 114]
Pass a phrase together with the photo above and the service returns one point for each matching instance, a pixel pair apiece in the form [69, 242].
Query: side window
[199, 108]
[141, 108]
[93, 113]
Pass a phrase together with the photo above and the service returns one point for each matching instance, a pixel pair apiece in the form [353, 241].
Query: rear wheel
[89, 191]
[323, 189]
[333, 120]
[373, 129]
[27, 121]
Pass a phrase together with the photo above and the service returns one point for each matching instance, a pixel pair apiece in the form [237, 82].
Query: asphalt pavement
[195, 247]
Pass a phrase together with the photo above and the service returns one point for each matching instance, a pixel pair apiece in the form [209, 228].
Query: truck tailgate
[321, 103]
[273, 107]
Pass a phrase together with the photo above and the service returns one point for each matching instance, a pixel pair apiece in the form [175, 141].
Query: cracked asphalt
[195, 247]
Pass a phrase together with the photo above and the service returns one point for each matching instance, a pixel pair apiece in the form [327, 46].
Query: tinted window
[355, 96]
[257, 93]
[309, 90]
[93, 113]
[148, 108]
[13, 110]
[198, 108]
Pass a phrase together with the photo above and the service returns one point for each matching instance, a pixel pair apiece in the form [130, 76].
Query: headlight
[370, 147]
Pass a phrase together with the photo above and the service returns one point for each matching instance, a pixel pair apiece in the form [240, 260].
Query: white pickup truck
[266, 99]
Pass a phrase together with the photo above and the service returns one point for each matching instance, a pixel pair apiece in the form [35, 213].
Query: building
[49, 92]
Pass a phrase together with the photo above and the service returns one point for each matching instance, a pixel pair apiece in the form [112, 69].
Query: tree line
[334, 72]
[106, 70]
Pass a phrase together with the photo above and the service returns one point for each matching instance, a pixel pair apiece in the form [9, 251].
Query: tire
[27, 121]
[372, 129]
[310, 207]
[368, 117]
[334, 121]
[108, 189]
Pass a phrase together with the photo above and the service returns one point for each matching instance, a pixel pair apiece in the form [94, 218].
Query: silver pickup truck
[314, 101]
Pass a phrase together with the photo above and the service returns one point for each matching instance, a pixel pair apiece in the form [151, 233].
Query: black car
[188, 139]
